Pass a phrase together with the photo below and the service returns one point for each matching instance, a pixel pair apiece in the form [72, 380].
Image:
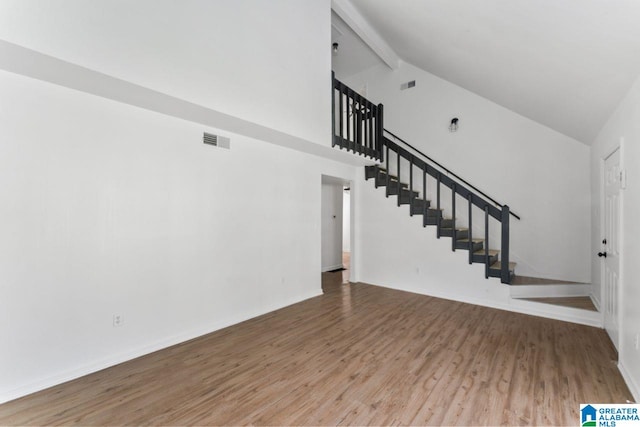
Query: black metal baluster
[486, 241]
[341, 94]
[353, 123]
[469, 198]
[453, 217]
[438, 208]
[333, 109]
[365, 124]
[348, 120]
[388, 180]
[380, 128]
[398, 179]
[411, 186]
[424, 196]
[371, 141]
[358, 120]
[505, 276]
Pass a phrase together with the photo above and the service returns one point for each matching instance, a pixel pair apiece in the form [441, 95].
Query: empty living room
[323, 212]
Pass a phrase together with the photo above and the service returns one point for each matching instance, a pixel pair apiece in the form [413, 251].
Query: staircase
[479, 251]
[358, 127]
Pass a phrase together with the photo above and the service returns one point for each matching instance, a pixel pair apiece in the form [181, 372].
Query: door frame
[354, 247]
[603, 303]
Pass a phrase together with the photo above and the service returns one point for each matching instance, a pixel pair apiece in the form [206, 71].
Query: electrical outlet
[117, 320]
[638, 341]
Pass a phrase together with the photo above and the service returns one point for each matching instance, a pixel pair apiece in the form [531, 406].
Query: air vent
[408, 85]
[215, 140]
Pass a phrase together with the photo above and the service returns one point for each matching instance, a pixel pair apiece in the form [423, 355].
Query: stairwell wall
[622, 128]
[541, 174]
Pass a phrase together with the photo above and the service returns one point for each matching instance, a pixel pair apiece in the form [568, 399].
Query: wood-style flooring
[358, 355]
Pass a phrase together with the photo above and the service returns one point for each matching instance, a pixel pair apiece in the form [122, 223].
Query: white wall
[267, 62]
[331, 223]
[111, 209]
[541, 174]
[622, 127]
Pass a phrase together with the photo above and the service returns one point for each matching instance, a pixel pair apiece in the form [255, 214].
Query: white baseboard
[115, 359]
[596, 302]
[633, 386]
[332, 267]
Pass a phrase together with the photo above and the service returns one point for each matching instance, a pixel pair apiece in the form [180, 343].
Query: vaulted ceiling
[563, 63]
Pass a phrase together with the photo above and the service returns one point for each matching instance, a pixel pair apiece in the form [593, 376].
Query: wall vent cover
[408, 85]
[216, 140]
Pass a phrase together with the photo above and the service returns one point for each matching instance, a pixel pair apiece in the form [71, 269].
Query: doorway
[336, 229]
[611, 247]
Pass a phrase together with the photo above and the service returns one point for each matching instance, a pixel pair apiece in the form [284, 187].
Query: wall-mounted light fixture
[335, 48]
[453, 127]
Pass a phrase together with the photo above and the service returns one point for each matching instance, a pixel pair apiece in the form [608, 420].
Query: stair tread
[492, 252]
[466, 239]
[498, 266]
[457, 228]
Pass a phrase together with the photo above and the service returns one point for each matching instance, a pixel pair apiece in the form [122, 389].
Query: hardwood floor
[359, 354]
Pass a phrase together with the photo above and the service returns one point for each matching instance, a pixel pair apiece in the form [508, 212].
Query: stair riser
[432, 217]
[405, 196]
[498, 274]
[447, 223]
[465, 246]
[417, 208]
[480, 259]
[370, 172]
[448, 232]
[381, 181]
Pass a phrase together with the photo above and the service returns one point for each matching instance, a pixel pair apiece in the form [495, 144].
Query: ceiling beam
[354, 19]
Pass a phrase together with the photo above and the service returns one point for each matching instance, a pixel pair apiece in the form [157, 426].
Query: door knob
[602, 254]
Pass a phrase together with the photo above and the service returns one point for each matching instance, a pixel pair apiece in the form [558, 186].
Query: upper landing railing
[357, 122]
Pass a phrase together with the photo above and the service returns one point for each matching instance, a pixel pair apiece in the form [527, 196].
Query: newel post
[379, 131]
[505, 276]
[333, 108]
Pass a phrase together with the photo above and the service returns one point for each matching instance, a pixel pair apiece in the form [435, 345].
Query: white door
[611, 244]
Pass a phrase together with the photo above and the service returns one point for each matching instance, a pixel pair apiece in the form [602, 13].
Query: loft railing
[357, 122]
[358, 127]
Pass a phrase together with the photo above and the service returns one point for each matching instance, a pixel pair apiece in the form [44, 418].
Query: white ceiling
[563, 63]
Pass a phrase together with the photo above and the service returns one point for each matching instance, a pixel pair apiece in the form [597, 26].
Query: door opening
[336, 228]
